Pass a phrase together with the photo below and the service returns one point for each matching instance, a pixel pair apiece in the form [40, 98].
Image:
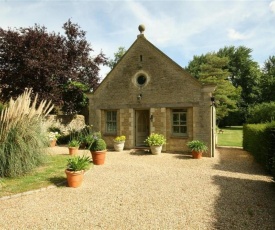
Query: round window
[141, 80]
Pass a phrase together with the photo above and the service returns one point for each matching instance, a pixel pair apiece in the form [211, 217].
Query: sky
[181, 29]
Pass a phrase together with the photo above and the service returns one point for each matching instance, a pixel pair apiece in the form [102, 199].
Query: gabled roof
[142, 38]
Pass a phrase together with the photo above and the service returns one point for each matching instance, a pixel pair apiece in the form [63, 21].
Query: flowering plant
[53, 136]
[155, 139]
[120, 138]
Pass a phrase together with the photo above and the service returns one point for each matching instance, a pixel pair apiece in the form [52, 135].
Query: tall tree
[46, 62]
[117, 56]
[244, 72]
[213, 70]
[268, 80]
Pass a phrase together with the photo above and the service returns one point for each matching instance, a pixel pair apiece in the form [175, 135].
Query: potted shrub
[53, 136]
[76, 167]
[73, 146]
[119, 143]
[98, 151]
[197, 147]
[155, 141]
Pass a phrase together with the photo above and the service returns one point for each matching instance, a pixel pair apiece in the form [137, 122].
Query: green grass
[231, 136]
[51, 173]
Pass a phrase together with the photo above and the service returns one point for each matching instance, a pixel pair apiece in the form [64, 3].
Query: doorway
[142, 127]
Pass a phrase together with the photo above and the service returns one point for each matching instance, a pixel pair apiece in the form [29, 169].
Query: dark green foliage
[235, 118]
[78, 163]
[98, 145]
[261, 113]
[63, 139]
[259, 140]
[75, 104]
[23, 149]
[267, 82]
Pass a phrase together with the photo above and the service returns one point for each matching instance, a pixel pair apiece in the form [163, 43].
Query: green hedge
[259, 140]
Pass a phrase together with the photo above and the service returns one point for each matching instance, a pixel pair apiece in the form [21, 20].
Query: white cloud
[235, 35]
[272, 6]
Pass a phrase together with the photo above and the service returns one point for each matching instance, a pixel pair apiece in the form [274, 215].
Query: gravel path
[134, 190]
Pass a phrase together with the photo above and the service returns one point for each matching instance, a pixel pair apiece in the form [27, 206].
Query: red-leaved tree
[47, 63]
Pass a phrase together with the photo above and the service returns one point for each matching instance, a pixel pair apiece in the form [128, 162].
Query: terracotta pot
[74, 179]
[197, 155]
[98, 157]
[119, 146]
[73, 150]
[52, 143]
[156, 149]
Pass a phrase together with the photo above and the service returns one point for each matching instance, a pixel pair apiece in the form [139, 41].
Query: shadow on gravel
[58, 181]
[184, 156]
[239, 161]
[140, 152]
[244, 204]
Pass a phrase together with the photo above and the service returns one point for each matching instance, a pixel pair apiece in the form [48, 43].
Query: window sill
[110, 134]
[178, 137]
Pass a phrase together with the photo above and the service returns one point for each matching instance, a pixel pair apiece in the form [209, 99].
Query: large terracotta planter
[73, 150]
[196, 155]
[98, 157]
[74, 179]
[52, 143]
[119, 146]
[156, 150]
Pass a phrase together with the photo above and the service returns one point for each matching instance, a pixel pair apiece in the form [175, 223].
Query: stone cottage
[147, 92]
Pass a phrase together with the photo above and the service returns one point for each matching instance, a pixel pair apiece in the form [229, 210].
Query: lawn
[231, 136]
[52, 172]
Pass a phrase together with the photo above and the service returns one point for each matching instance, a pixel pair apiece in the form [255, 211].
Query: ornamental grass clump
[78, 163]
[22, 135]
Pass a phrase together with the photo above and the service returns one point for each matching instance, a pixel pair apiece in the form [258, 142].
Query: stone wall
[168, 86]
[66, 123]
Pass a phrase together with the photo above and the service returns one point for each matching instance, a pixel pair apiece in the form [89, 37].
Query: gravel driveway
[134, 190]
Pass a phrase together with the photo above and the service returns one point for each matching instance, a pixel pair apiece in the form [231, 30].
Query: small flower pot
[98, 157]
[52, 143]
[156, 150]
[196, 155]
[74, 179]
[73, 150]
[119, 146]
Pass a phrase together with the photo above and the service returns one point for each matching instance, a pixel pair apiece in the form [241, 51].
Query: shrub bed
[259, 140]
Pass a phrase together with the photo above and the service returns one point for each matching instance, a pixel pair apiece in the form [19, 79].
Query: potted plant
[76, 167]
[73, 146]
[155, 141]
[98, 151]
[119, 143]
[197, 147]
[53, 136]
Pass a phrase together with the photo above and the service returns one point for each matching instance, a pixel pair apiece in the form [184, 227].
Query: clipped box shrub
[259, 140]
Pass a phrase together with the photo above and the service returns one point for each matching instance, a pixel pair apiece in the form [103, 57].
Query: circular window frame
[141, 84]
[141, 80]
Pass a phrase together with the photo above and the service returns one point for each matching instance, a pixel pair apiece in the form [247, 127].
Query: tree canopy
[47, 62]
[210, 68]
[117, 56]
[267, 82]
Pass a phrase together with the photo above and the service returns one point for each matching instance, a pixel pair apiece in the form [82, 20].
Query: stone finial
[141, 28]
